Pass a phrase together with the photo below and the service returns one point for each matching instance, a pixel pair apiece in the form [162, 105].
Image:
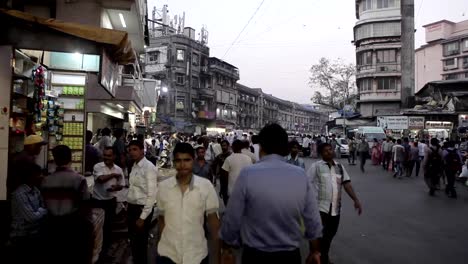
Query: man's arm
[213, 225]
[350, 191]
[21, 202]
[151, 192]
[312, 223]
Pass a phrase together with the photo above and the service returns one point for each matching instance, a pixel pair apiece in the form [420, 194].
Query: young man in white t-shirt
[234, 164]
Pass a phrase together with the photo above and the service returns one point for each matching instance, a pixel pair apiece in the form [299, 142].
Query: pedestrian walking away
[406, 163]
[183, 203]
[271, 197]
[141, 199]
[452, 165]
[201, 167]
[217, 170]
[398, 158]
[433, 166]
[387, 153]
[328, 177]
[363, 149]
[234, 164]
[414, 160]
[293, 157]
[352, 145]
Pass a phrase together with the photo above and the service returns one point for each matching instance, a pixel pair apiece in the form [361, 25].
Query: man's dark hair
[109, 148]
[27, 172]
[140, 137]
[245, 144]
[62, 155]
[224, 141]
[184, 148]
[136, 143]
[293, 143]
[89, 136]
[435, 142]
[237, 146]
[423, 141]
[398, 141]
[393, 140]
[118, 132]
[415, 143]
[200, 141]
[105, 131]
[406, 140]
[255, 139]
[274, 140]
[198, 148]
[322, 146]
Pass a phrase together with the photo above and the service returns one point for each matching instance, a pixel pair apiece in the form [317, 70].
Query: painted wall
[5, 90]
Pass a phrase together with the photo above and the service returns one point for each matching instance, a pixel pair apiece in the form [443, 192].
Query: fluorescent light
[164, 89]
[144, 46]
[122, 20]
[120, 106]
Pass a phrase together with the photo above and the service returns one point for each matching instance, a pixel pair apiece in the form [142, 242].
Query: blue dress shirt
[269, 201]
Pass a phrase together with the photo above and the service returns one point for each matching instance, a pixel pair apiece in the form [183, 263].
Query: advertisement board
[392, 122]
[416, 122]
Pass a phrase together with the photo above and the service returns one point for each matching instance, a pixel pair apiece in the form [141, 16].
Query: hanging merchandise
[39, 77]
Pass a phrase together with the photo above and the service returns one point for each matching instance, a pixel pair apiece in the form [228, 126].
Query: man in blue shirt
[293, 157]
[269, 202]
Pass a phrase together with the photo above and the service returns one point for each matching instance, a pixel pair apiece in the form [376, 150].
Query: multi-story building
[224, 77]
[379, 40]
[248, 106]
[445, 54]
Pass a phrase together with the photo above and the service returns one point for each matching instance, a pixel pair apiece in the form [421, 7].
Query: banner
[416, 122]
[392, 122]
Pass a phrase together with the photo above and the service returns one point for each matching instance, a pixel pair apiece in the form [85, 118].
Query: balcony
[229, 71]
[381, 69]
[206, 92]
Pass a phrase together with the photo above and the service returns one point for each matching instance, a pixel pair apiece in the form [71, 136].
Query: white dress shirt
[234, 164]
[249, 154]
[100, 189]
[143, 186]
[183, 237]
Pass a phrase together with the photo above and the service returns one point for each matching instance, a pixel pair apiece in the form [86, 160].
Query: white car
[343, 150]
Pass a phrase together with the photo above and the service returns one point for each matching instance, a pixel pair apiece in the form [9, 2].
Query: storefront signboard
[416, 122]
[392, 122]
[439, 125]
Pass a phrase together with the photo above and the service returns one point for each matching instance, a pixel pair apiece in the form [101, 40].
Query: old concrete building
[249, 110]
[445, 54]
[380, 49]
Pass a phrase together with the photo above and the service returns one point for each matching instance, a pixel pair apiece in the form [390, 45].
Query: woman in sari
[376, 152]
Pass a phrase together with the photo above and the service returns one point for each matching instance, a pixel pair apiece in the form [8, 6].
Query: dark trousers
[352, 156]
[29, 249]
[330, 227]
[138, 238]
[432, 179]
[166, 260]
[109, 207]
[387, 156]
[255, 256]
[450, 188]
[411, 165]
[223, 182]
[362, 158]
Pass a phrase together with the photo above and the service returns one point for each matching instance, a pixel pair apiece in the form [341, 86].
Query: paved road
[401, 223]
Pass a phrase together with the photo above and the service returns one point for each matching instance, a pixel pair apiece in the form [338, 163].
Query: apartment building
[445, 54]
[248, 105]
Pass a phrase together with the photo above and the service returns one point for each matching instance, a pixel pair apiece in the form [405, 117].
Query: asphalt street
[400, 223]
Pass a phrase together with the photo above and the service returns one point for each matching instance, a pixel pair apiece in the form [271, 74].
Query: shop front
[439, 129]
[394, 126]
[416, 126]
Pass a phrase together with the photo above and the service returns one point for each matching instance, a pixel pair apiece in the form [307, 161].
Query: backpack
[434, 163]
[452, 161]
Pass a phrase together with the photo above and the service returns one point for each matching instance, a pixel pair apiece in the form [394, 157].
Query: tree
[334, 83]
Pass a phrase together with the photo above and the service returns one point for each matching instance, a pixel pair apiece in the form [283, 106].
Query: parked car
[343, 150]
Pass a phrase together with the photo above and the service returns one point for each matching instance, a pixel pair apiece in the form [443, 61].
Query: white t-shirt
[305, 142]
[250, 154]
[234, 164]
[422, 149]
[100, 189]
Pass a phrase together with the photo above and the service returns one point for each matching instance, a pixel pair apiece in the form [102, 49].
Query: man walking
[217, 170]
[120, 151]
[108, 179]
[267, 221]
[184, 201]
[201, 167]
[246, 151]
[414, 160]
[453, 164]
[387, 147]
[433, 166]
[234, 164]
[399, 157]
[363, 149]
[352, 151]
[328, 177]
[305, 146]
[141, 199]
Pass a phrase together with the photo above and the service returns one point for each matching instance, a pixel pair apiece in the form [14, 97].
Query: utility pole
[407, 52]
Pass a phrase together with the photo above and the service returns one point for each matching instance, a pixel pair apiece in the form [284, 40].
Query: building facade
[378, 40]
[445, 54]
[248, 105]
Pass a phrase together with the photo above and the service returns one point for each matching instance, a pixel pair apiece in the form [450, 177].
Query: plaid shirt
[27, 210]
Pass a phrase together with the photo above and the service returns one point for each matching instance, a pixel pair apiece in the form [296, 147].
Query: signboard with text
[393, 122]
[416, 122]
[438, 125]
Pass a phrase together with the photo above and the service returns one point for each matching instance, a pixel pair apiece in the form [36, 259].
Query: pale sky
[284, 39]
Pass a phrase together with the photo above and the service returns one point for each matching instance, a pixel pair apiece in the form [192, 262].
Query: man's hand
[358, 207]
[140, 224]
[116, 175]
[313, 258]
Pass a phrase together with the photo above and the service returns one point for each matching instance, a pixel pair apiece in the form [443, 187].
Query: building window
[228, 82]
[180, 79]
[153, 57]
[452, 76]
[386, 84]
[385, 3]
[195, 82]
[220, 80]
[465, 62]
[180, 103]
[386, 56]
[366, 5]
[365, 58]
[180, 55]
[195, 59]
[450, 64]
[465, 45]
[365, 85]
[451, 48]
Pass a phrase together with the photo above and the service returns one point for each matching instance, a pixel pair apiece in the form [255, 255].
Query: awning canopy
[115, 41]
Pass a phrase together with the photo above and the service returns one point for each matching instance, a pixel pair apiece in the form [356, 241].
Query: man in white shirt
[306, 146]
[422, 149]
[234, 164]
[141, 199]
[183, 202]
[108, 179]
[256, 146]
[246, 151]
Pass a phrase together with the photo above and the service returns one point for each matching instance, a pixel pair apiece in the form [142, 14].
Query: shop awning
[117, 42]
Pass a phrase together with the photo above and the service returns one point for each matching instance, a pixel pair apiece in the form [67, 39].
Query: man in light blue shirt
[293, 157]
[269, 202]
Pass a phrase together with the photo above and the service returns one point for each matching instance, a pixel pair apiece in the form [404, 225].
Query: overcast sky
[283, 40]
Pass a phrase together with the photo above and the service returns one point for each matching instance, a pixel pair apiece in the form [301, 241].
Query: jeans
[138, 238]
[411, 165]
[330, 227]
[352, 155]
[109, 207]
[398, 169]
[255, 256]
[450, 188]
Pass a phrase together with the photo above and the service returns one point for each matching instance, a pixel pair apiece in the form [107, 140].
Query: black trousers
[352, 156]
[450, 188]
[363, 158]
[432, 180]
[166, 260]
[138, 238]
[223, 182]
[109, 207]
[255, 256]
[330, 227]
[387, 156]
